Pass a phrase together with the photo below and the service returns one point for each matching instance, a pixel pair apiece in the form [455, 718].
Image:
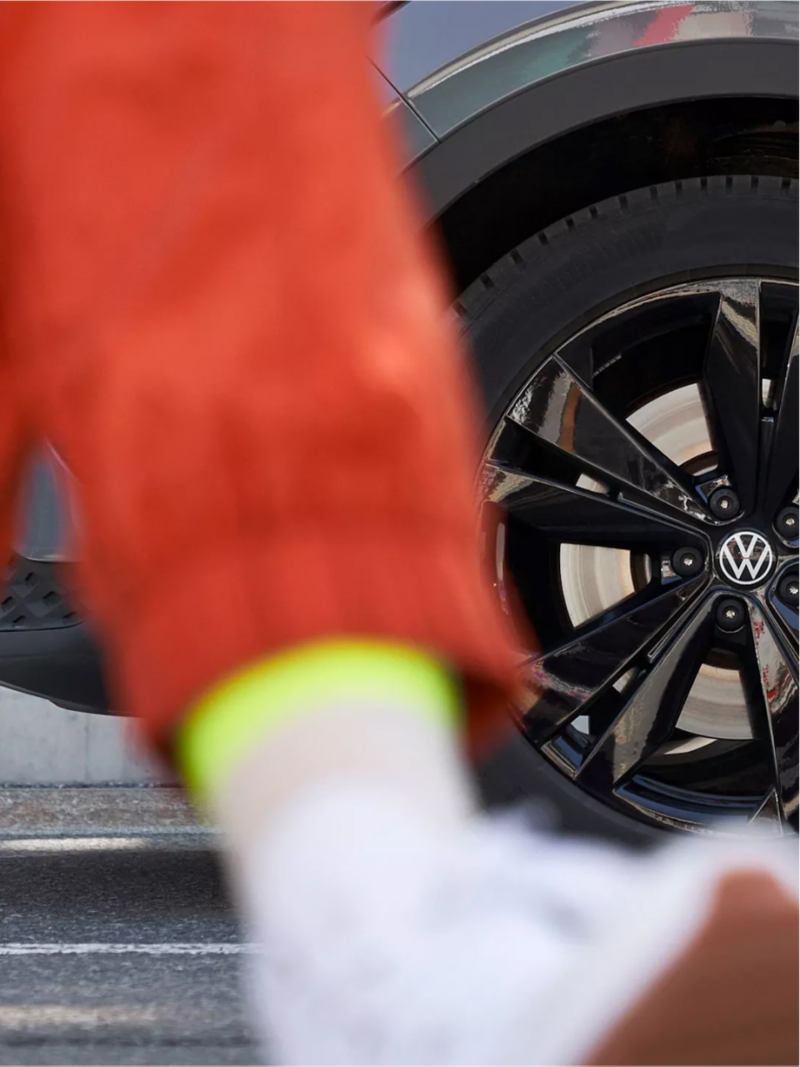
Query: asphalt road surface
[117, 943]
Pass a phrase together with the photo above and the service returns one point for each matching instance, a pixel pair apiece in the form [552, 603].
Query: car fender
[580, 65]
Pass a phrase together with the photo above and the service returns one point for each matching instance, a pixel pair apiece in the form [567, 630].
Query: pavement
[117, 940]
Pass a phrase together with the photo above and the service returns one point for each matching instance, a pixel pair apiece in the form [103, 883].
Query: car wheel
[638, 362]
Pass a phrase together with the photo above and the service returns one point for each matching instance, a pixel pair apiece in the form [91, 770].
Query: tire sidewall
[603, 260]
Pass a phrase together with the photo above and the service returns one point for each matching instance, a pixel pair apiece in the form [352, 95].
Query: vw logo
[746, 558]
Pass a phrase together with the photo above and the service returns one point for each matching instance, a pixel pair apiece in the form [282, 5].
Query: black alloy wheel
[640, 502]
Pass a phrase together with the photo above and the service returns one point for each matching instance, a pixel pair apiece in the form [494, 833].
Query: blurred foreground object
[218, 314]
[397, 935]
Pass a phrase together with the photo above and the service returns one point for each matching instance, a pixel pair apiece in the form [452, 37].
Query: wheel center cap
[745, 558]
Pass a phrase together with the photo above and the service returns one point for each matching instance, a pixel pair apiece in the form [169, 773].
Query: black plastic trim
[63, 665]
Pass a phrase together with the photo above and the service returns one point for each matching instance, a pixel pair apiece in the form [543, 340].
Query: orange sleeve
[227, 328]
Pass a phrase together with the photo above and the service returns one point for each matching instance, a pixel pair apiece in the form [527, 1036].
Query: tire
[555, 283]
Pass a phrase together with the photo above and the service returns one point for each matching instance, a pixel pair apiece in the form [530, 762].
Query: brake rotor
[594, 579]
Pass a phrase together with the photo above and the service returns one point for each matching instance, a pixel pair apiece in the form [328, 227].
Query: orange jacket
[216, 308]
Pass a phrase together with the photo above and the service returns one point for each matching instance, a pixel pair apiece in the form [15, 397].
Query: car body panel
[536, 43]
[583, 34]
[424, 36]
[414, 137]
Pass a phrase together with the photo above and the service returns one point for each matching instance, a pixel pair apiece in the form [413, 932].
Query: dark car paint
[582, 35]
[474, 85]
[424, 36]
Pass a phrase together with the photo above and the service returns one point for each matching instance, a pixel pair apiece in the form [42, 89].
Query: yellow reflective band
[261, 698]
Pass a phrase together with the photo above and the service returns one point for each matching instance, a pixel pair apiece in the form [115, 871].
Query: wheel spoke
[561, 411]
[782, 465]
[768, 813]
[565, 682]
[652, 711]
[775, 720]
[578, 516]
[732, 385]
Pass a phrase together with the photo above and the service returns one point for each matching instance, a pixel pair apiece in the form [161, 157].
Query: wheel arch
[639, 118]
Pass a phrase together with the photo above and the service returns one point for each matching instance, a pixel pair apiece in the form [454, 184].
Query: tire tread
[478, 296]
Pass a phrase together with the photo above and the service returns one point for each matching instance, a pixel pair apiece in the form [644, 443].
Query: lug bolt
[789, 590]
[724, 503]
[730, 614]
[687, 562]
[787, 524]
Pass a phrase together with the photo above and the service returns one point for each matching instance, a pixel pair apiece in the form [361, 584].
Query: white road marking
[104, 843]
[112, 948]
[73, 844]
[21, 1017]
